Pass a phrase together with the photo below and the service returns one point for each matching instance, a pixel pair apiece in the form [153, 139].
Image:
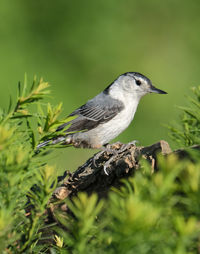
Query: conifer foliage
[151, 213]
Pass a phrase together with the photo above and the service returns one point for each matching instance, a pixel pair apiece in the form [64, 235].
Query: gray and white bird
[108, 114]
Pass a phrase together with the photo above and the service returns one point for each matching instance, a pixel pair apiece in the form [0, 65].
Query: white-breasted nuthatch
[105, 116]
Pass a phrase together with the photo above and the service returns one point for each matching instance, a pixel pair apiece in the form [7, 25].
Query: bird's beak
[153, 89]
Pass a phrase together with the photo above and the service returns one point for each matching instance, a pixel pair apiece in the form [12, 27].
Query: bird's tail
[51, 142]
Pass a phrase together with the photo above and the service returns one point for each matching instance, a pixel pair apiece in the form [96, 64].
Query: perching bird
[105, 116]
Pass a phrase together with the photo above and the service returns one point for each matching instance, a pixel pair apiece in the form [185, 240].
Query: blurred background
[80, 47]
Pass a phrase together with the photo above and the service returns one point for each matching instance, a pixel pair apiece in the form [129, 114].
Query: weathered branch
[122, 163]
[91, 177]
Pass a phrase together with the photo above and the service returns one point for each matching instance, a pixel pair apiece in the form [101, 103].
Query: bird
[105, 116]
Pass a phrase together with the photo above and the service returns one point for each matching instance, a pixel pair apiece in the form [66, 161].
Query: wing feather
[93, 113]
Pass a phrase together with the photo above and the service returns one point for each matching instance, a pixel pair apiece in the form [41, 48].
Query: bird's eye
[138, 82]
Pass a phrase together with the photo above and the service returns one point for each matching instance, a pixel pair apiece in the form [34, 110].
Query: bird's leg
[127, 146]
[109, 148]
[107, 163]
[105, 148]
[115, 152]
[97, 156]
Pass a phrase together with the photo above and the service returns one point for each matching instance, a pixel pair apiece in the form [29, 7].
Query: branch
[91, 177]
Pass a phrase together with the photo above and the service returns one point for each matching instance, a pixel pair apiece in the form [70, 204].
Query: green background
[80, 47]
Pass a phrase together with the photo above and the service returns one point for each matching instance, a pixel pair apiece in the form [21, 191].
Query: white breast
[111, 129]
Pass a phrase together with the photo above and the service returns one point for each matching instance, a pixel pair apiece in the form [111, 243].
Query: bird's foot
[127, 146]
[97, 156]
[108, 162]
[117, 152]
[108, 148]
[114, 149]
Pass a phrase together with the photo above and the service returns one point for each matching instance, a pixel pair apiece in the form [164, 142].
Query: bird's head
[137, 84]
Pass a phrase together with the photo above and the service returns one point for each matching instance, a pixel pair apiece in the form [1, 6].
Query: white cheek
[129, 86]
[141, 90]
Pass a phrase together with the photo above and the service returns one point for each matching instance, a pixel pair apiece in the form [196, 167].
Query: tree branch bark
[90, 177]
[122, 163]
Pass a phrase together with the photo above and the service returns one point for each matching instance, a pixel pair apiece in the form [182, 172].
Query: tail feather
[45, 143]
[51, 142]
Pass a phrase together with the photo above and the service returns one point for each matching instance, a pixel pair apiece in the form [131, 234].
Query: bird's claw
[114, 152]
[107, 164]
[134, 142]
[127, 146]
[105, 170]
[96, 157]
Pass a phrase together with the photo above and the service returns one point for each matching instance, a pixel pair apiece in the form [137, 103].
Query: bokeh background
[80, 47]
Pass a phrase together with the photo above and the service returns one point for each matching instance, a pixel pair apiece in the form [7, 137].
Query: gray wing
[99, 110]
